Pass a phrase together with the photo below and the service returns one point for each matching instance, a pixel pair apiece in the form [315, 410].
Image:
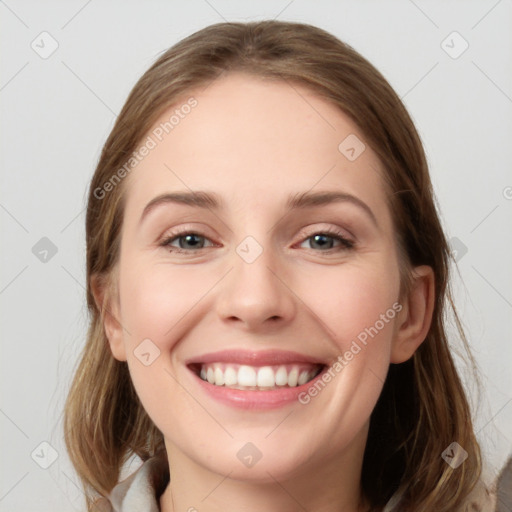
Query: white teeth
[219, 377]
[292, 377]
[303, 378]
[266, 377]
[263, 378]
[246, 376]
[230, 376]
[281, 376]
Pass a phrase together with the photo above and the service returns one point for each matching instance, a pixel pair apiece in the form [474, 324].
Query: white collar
[140, 491]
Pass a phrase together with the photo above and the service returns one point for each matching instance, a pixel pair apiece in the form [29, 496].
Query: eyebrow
[211, 201]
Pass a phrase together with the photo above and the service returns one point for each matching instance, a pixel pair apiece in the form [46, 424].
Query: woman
[267, 280]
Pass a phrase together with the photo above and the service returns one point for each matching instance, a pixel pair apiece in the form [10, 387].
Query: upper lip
[254, 358]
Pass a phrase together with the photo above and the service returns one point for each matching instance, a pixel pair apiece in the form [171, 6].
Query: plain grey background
[58, 109]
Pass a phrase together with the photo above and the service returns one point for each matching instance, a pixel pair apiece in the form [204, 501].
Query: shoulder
[494, 498]
[481, 499]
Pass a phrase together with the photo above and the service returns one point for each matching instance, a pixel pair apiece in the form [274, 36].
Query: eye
[190, 241]
[187, 242]
[325, 241]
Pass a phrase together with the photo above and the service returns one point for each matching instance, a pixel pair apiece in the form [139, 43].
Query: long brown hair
[423, 407]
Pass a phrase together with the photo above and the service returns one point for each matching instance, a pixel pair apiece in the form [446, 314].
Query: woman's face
[293, 271]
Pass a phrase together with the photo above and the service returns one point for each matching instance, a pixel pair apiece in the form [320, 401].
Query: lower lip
[256, 399]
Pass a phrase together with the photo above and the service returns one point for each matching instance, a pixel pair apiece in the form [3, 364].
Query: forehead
[255, 140]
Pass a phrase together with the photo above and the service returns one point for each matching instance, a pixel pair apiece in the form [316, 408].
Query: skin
[254, 142]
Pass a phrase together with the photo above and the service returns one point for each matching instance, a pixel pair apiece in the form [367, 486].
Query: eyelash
[332, 233]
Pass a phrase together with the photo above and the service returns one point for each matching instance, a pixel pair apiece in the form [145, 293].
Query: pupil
[322, 239]
[189, 239]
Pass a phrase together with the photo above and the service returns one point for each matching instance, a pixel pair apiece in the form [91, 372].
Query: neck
[329, 485]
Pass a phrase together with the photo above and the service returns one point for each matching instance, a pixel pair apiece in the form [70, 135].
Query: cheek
[155, 298]
[357, 305]
[353, 298]
[156, 303]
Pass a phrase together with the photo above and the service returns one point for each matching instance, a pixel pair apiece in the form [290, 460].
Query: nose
[256, 295]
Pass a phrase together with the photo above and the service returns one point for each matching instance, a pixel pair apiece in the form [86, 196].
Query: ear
[108, 306]
[413, 322]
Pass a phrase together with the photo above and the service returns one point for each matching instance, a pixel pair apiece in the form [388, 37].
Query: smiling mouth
[256, 378]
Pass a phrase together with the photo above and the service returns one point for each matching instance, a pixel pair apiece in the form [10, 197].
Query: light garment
[141, 491]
